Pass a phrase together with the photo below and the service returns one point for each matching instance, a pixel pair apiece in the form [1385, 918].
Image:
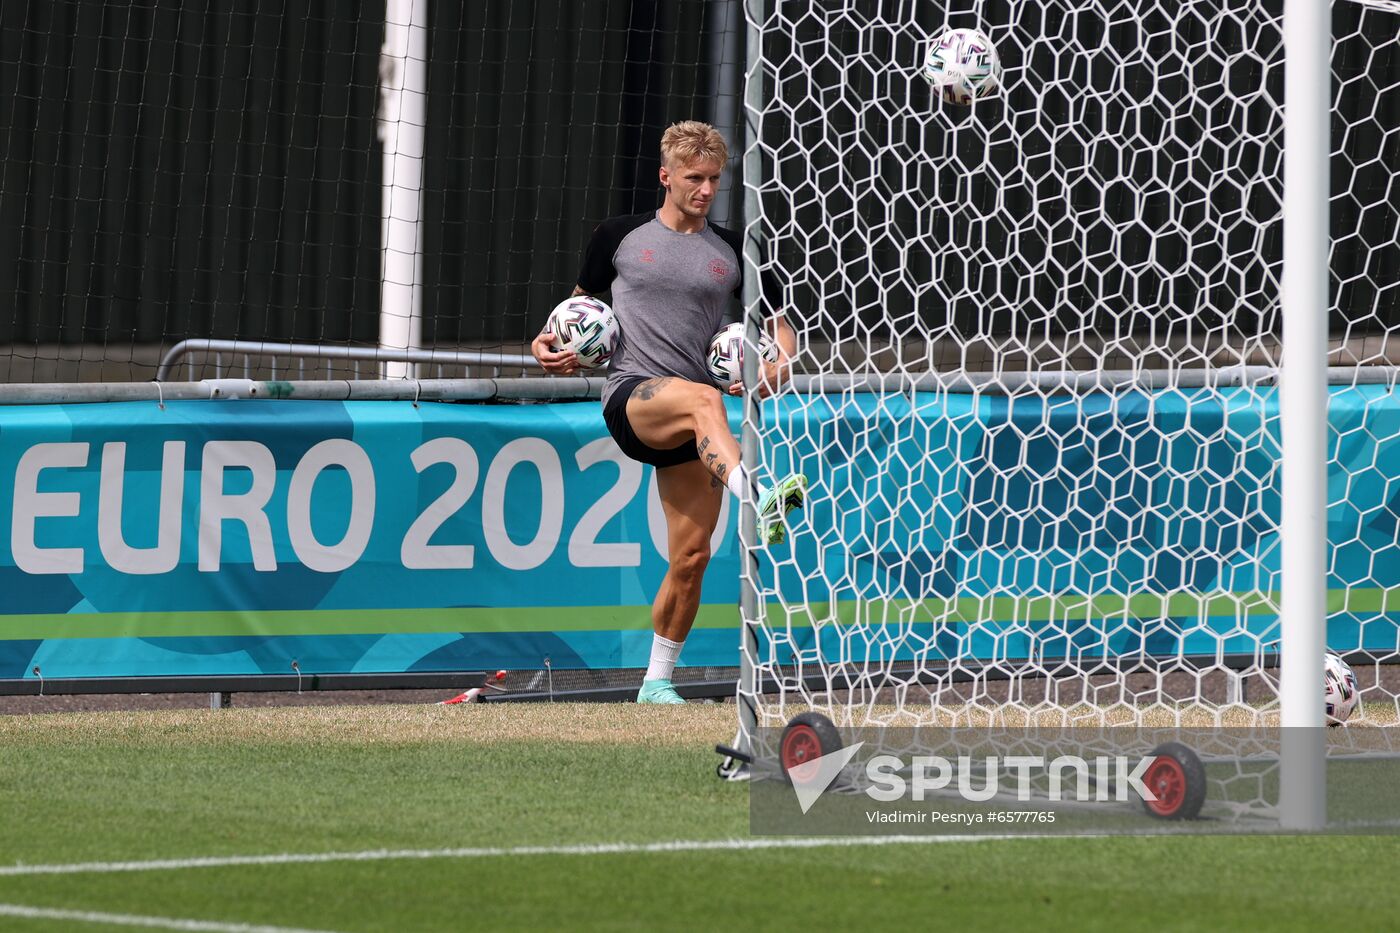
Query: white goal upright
[1076, 452]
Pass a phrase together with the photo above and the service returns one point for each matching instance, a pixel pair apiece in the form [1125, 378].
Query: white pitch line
[604, 848]
[136, 920]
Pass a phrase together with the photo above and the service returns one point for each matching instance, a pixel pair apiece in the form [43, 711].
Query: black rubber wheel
[1178, 780]
[806, 737]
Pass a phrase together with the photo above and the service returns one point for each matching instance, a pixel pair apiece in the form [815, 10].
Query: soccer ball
[726, 359]
[587, 326]
[1339, 686]
[962, 64]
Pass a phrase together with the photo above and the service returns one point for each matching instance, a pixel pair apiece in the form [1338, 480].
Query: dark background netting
[212, 169]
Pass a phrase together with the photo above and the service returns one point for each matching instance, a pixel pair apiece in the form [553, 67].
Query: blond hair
[691, 141]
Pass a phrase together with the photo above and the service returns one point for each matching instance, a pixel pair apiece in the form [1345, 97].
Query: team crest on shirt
[718, 269]
[648, 255]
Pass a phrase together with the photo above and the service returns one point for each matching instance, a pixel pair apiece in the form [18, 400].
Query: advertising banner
[238, 536]
[233, 537]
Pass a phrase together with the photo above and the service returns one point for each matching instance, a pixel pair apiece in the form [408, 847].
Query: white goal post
[1101, 489]
[1307, 45]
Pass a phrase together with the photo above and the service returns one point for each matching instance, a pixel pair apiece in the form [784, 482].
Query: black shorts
[615, 414]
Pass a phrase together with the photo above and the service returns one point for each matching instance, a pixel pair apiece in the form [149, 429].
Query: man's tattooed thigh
[647, 390]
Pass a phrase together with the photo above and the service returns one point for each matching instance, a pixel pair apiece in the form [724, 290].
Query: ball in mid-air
[1339, 688]
[962, 65]
[585, 325]
[726, 357]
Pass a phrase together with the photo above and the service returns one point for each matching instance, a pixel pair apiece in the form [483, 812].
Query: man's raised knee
[706, 400]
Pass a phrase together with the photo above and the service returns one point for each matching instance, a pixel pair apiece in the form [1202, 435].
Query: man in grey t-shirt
[672, 275]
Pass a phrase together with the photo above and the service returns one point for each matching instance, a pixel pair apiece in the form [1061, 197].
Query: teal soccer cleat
[658, 691]
[785, 495]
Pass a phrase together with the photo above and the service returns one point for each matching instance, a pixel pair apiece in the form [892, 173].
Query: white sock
[664, 655]
[738, 479]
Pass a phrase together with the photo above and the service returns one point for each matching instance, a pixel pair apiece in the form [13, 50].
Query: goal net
[1045, 463]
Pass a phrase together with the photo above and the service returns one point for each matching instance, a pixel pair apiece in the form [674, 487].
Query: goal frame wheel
[807, 736]
[1178, 779]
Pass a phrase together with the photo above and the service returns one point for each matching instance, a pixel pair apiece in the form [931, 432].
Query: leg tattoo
[647, 390]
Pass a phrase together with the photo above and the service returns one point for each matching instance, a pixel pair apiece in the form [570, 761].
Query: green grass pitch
[114, 787]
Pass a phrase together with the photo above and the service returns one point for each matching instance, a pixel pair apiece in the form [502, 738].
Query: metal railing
[303, 352]
[556, 388]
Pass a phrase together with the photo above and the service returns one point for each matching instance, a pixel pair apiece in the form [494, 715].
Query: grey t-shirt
[670, 292]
